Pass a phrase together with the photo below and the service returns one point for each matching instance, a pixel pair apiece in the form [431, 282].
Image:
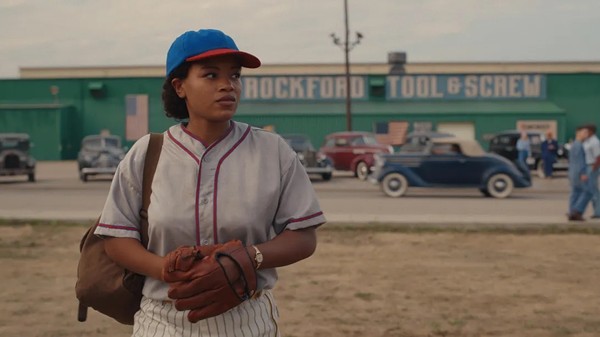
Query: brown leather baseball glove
[210, 286]
[183, 258]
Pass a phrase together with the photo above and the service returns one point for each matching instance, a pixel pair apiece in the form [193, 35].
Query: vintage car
[353, 151]
[314, 162]
[99, 154]
[449, 162]
[505, 144]
[14, 156]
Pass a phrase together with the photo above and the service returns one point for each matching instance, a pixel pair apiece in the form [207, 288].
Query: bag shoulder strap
[152, 156]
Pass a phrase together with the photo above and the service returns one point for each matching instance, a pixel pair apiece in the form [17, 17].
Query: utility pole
[347, 46]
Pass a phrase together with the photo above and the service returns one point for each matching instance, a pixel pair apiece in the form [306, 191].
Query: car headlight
[321, 156]
[301, 156]
[390, 149]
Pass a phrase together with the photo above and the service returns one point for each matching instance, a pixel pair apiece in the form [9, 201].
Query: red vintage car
[353, 151]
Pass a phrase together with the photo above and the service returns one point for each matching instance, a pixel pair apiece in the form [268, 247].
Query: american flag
[391, 133]
[136, 121]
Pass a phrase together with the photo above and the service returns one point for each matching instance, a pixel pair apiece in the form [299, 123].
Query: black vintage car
[14, 156]
[505, 144]
[99, 154]
[314, 162]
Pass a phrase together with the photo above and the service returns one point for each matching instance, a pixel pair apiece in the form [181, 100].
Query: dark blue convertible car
[449, 162]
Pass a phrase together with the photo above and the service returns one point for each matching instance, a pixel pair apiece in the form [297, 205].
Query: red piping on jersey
[304, 218]
[183, 147]
[199, 162]
[118, 227]
[193, 135]
[215, 236]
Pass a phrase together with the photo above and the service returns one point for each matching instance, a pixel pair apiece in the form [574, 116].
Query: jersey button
[204, 242]
[204, 201]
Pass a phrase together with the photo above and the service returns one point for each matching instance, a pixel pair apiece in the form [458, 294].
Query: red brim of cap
[247, 60]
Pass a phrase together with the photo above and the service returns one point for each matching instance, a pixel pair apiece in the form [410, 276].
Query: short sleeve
[120, 215]
[595, 148]
[298, 204]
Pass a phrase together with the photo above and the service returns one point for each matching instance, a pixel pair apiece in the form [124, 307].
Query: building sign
[302, 88]
[542, 126]
[466, 87]
[405, 87]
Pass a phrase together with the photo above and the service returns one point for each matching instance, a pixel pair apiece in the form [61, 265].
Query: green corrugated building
[59, 106]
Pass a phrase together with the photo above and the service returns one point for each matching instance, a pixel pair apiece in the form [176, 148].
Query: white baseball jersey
[248, 185]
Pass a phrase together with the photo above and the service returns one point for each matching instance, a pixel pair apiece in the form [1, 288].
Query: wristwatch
[258, 257]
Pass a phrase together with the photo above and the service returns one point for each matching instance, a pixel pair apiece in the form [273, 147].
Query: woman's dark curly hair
[174, 105]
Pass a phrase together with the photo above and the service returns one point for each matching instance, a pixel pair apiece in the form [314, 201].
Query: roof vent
[397, 60]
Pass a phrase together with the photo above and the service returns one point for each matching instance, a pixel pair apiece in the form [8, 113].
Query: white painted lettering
[470, 86]
[392, 86]
[532, 86]
[500, 87]
[340, 87]
[311, 86]
[281, 87]
[453, 85]
[327, 87]
[358, 86]
[296, 88]
[408, 87]
[485, 83]
[266, 87]
[513, 86]
[251, 88]
[422, 86]
[434, 88]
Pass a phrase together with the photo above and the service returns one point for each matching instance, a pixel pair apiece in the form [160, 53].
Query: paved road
[58, 194]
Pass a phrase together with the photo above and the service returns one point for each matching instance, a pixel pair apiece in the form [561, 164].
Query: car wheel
[31, 177]
[499, 185]
[362, 170]
[485, 192]
[326, 176]
[83, 177]
[394, 185]
[539, 168]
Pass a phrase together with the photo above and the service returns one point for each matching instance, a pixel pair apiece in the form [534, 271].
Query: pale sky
[56, 33]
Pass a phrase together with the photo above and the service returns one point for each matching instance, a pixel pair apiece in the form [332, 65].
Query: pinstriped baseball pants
[257, 317]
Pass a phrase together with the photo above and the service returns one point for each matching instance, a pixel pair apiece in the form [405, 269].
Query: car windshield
[298, 143]
[364, 140]
[14, 143]
[100, 142]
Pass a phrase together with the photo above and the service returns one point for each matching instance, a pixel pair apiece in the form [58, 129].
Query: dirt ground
[359, 283]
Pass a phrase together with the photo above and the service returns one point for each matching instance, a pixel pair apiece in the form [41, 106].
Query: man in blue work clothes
[577, 174]
[549, 152]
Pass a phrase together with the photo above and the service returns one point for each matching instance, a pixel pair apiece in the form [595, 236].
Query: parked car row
[427, 159]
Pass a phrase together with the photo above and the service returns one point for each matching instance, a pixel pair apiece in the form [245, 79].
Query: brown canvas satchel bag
[101, 283]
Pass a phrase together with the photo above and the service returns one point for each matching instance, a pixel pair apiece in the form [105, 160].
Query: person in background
[549, 153]
[577, 174]
[591, 147]
[523, 148]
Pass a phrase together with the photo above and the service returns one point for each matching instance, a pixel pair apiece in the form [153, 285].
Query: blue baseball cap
[205, 43]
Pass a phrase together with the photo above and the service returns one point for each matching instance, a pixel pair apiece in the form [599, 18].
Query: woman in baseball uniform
[217, 180]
